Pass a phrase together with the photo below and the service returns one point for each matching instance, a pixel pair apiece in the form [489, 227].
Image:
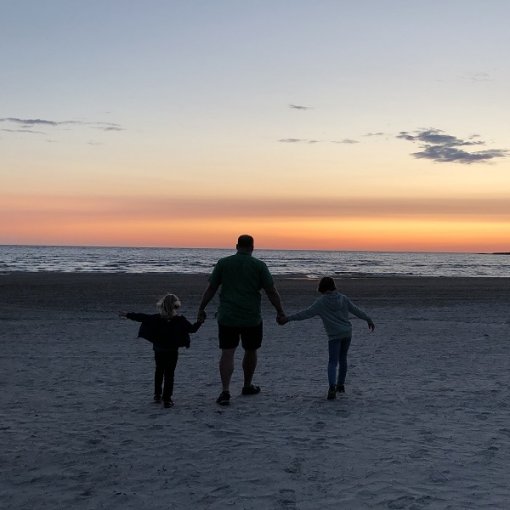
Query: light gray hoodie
[333, 308]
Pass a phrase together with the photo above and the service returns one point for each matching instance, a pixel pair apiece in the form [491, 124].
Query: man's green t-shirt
[241, 277]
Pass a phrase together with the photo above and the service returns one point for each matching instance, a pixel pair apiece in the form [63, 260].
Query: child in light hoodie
[333, 308]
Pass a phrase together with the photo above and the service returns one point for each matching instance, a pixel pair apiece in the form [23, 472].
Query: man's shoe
[332, 393]
[250, 390]
[340, 388]
[223, 399]
[168, 403]
[157, 398]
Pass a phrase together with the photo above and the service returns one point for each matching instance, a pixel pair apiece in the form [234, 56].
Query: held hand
[281, 319]
[201, 316]
[371, 326]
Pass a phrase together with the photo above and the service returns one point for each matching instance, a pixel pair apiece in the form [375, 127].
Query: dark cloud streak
[29, 131]
[299, 107]
[28, 123]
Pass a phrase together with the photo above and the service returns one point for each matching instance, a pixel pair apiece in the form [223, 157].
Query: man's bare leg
[226, 367]
[249, 366]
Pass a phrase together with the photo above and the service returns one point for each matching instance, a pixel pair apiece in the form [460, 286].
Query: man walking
[241, 277]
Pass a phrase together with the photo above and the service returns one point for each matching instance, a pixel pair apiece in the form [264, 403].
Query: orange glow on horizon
[367, 234]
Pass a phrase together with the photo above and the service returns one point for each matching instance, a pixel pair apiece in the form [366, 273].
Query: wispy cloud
[24, 131]
[26, 124]
[378, 133]
[292, 140]
[478, 77]
[299, 107]
[107, 126]
[299, 140]
[29, 122]
[345, 140]
[440, 147]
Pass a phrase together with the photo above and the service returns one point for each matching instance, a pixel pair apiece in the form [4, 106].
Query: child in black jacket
[167, 331]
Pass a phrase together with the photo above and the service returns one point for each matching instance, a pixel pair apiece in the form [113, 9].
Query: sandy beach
[424, 423]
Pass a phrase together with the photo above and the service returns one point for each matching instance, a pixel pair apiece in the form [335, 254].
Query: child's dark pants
[166, 362]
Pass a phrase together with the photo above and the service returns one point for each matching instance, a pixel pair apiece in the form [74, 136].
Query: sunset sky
[324, 124]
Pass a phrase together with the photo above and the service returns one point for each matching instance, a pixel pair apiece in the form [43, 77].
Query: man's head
[245, 243]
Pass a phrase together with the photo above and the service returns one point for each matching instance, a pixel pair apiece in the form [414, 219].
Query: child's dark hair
[326, 283]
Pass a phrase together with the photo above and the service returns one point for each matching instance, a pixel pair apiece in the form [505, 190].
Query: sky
[318, 124]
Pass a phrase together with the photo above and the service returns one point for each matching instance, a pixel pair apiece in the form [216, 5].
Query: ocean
[281, 262]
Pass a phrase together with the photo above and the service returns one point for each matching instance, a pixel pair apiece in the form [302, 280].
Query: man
[241, 277]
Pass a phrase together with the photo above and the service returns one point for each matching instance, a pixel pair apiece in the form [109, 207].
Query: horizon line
[255, 250]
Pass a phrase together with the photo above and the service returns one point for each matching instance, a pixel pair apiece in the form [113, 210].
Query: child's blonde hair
[168, 305]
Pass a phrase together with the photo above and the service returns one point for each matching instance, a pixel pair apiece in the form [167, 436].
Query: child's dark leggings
[165, 368]
[338, 349]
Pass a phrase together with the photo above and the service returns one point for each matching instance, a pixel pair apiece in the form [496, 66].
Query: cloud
[345, 140]
[307, 140]
[299, 107]
[292, 140]
[26, 124]
[447, 154]
[478, 76]
[29, 122]
[436, 137]
[298, 140]
[107, 126]
[378, 133]
[24, 131]
[443, 148]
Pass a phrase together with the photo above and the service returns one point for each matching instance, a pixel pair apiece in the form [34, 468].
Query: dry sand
[425, 422]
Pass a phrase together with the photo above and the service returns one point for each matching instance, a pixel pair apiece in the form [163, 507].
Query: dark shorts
[250, 336]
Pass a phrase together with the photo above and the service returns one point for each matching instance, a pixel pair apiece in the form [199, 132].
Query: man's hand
[281, 319]
[201, 316]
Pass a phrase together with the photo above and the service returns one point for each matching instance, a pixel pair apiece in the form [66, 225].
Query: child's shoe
[250, 390]
[223, 399]
[332, 392]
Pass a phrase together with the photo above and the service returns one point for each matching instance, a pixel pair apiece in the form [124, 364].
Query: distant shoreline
[276, 276]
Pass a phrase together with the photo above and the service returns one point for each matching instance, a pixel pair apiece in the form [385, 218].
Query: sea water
[280, 262]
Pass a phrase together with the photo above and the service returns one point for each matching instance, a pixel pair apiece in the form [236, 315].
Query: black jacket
[164, 334]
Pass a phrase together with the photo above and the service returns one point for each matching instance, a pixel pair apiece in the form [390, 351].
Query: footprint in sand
[287, 499]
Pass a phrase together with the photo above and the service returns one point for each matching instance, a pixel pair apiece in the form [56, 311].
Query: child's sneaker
[250, 390]
[332, 392]
[223, 399]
